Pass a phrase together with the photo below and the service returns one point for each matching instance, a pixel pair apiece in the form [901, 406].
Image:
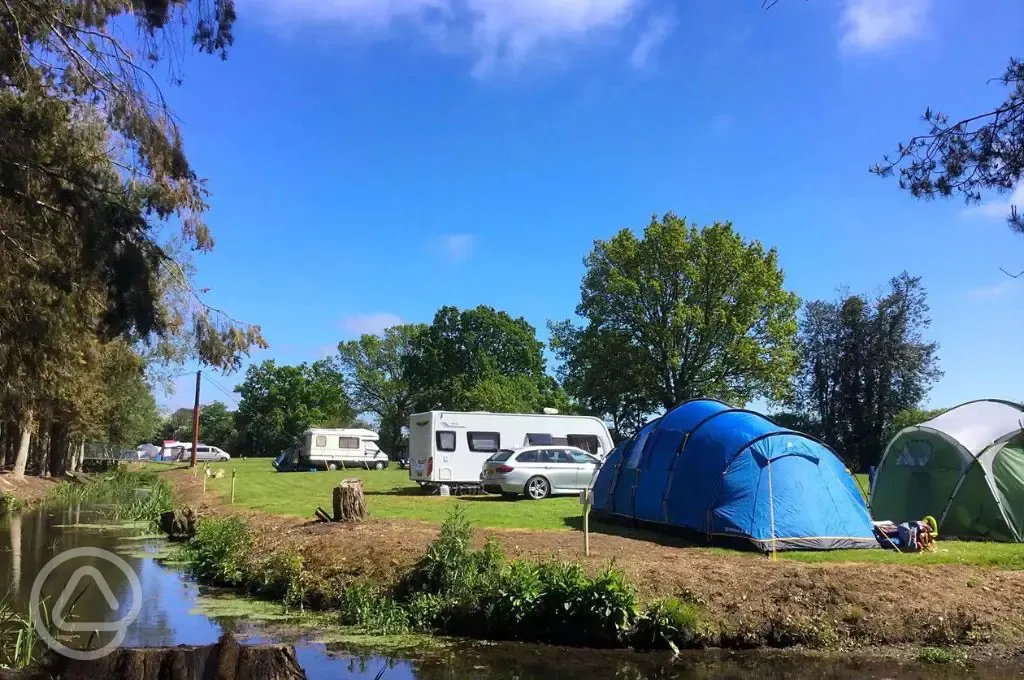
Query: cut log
[179, 525]
[224, 660]
[322, 515]
[349, 503]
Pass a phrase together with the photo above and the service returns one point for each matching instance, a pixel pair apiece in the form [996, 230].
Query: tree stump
[179, 525]
[224, 660]
[349, 503]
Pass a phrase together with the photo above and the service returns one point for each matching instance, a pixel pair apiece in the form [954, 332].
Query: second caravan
[450, 447]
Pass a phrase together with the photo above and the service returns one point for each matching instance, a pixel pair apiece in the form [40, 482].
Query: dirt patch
[748, 597]
[29, 490]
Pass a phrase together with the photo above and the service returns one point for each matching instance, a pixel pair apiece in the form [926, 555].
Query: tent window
[638, 447]
[917, 453]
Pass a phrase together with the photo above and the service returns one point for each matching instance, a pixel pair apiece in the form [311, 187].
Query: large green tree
[279, 402]
[91, 165]
[689, 312]
[375, 369]
[480, 359]
[864, 362]
[217, 426]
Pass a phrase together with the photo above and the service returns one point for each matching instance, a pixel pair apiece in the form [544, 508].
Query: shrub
[365, 606]
[673, 623]
[281, 577]
[217, 553]
[939, 655]
[9, 503]
[450, 567]
[513, 602]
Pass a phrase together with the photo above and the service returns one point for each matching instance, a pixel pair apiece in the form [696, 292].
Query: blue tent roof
[724, 473]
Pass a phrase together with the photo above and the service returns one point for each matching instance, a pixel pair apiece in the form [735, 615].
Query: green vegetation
[389, 494]
[941, 655]
[452, 589]
[682, 312]
[9, 503]
[133, 495]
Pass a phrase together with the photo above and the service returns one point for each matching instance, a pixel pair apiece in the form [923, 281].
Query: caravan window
[484, 442]
[587, 442]
[348, 442]
[321, 441]
[445, 440]
[544, 439]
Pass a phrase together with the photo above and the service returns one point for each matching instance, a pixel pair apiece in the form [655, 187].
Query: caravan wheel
[379, 465]
[332, 467]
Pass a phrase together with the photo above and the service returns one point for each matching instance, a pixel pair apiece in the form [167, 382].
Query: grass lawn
[390, 494]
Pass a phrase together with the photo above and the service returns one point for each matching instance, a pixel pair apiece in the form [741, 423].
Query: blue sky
[371, 160]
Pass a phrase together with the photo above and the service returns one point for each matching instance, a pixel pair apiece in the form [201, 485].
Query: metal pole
[586, 530]
[233, 486]
[195, 420]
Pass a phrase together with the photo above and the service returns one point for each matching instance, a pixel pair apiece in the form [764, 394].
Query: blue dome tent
[733, 476]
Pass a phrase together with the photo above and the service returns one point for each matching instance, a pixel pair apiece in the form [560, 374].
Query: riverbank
[25, 492]
[718, 597]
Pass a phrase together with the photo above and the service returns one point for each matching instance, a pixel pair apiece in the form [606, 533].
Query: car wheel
[537, 488]
[379, 465]
[332, 467]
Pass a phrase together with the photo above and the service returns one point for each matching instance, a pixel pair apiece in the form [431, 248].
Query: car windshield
[501, 456]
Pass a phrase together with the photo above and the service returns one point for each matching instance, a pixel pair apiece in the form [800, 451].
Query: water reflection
[168, 617]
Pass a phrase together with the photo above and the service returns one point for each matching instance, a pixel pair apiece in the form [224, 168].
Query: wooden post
[585, 500]
[349, 502]
[233, 471]
[205, 476]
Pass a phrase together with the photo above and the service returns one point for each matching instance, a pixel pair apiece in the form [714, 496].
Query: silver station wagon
[539, 471]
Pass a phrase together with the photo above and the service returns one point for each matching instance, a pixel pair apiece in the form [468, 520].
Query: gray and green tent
[965, 468]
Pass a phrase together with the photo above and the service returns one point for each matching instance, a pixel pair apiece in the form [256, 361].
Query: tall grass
[134, 495]
[20, 644]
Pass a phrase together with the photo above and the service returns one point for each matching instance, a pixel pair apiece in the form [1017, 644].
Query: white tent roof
[977, 424]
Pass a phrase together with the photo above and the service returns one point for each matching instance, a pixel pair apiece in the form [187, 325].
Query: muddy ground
[29, 490]
[747, 595]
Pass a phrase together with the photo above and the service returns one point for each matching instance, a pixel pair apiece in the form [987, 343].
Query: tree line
[96, 301]
[677, 313]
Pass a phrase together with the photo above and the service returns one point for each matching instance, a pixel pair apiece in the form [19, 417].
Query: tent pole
[771, 510]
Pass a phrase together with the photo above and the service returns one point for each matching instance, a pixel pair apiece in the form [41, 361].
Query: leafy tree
[965, 157]
[606, 373]
[689, 313]
[466, 359]
[177, 426]
[865, 361]
[909, 417]
[92, 162]
[279, 402]
[375, 369]
[217, 426]
[131, 416]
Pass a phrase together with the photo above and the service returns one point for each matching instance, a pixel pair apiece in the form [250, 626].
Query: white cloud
[994, 291]
[999, 209]
[874, 24]
[458, 247]
[499, 33]
[659, 27]
[373, 324]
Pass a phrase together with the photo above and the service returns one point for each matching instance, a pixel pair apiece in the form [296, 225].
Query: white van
[182, 452]
[331, 449]
[452, 447]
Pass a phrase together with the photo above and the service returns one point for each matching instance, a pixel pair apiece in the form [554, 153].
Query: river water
[169, 615]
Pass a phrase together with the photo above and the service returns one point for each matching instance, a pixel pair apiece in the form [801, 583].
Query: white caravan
[451, 447]
[334, 448]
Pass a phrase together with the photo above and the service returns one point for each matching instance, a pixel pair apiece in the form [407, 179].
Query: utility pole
[195, 421]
